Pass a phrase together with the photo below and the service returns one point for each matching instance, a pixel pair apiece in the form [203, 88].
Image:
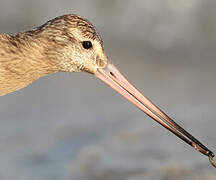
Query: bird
[70, 43]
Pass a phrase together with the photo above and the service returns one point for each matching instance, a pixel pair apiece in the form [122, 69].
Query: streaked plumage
[52, 47]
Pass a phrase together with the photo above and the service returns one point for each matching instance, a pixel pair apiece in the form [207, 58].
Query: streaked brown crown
[65, 23]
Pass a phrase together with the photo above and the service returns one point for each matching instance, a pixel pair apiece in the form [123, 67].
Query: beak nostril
[112, 74]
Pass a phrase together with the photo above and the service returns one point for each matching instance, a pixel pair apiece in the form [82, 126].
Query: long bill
[113, 78]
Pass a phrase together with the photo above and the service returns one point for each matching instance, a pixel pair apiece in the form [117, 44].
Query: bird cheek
[90, 69]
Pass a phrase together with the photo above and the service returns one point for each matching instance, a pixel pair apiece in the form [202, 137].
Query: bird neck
[22, 60]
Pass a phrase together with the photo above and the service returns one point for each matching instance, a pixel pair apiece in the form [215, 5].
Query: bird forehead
[71, 21]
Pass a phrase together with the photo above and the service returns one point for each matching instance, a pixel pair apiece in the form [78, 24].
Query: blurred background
[70, 126]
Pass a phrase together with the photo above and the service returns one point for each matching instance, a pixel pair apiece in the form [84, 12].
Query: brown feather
[52, 47]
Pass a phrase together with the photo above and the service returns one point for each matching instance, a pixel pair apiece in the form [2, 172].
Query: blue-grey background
[73, 127]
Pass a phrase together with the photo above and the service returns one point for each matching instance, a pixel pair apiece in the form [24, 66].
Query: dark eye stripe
[87, 44]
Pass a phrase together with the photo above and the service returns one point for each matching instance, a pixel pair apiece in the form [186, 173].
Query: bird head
[74, 45]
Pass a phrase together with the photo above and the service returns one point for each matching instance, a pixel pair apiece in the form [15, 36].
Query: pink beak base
[113, 78]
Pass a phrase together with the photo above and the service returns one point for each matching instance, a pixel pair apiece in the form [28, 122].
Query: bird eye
[87, 44]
